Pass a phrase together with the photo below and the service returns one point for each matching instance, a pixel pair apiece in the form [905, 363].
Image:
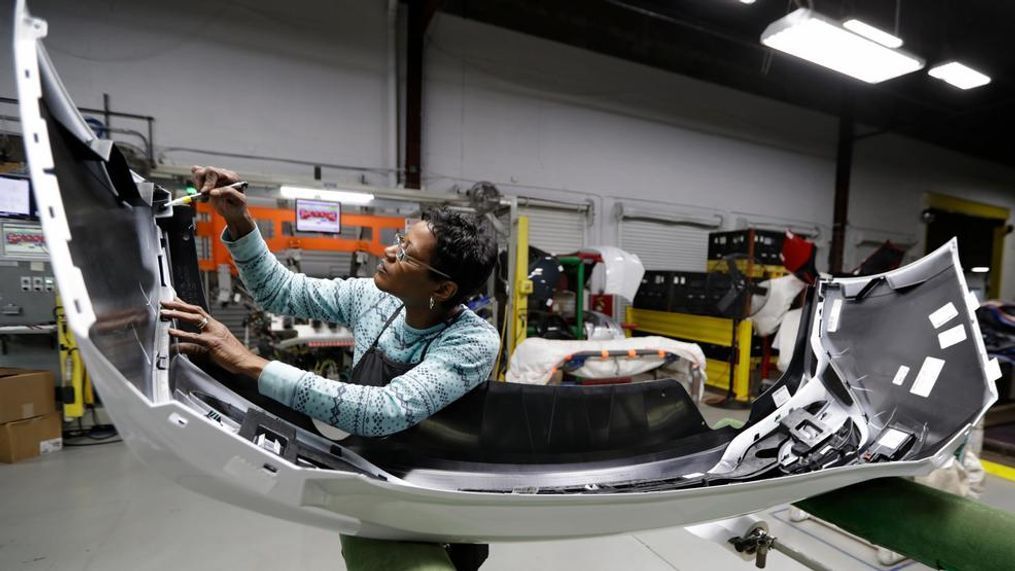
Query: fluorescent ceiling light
[330, 195]
[871, 33]
[747, 1]
[959, 75]
[980, 269]
[815, 38]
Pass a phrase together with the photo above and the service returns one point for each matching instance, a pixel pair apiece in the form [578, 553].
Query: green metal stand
[579, 298]
[936, 528]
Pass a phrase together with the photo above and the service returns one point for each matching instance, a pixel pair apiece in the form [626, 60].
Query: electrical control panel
[27, 287]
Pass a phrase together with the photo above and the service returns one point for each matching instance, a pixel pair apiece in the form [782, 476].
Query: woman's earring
[433, 305]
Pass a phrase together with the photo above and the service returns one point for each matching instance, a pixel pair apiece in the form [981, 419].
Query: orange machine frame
[210, 226]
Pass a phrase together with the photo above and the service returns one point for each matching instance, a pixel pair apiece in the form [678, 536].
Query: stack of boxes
[29, 422]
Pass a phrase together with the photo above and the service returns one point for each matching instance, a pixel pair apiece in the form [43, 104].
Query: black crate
[689, 292]
[654, 292]
[681, 292]
[699, 293]
[767, 245]
[719, 286]
[696, 293]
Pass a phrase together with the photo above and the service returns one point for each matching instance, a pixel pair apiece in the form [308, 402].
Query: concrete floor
[98, 508]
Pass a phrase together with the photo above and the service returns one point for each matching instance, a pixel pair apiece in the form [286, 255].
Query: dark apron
[375, 369]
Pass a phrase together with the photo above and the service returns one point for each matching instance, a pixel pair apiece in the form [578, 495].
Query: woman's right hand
[213, 182]
[230, 203]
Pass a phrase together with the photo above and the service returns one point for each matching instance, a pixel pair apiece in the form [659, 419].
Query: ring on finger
[203, 324]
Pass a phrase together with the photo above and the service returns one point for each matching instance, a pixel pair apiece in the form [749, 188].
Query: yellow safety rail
[519, 309]
[748, 269]
[705, 329]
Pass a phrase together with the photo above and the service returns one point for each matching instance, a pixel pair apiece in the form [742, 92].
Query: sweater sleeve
[280, 290]
[454, 365]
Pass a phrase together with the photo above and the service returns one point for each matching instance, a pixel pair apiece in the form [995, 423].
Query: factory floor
[99, 508]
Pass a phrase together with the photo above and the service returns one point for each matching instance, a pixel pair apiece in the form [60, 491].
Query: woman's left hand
[213, 340]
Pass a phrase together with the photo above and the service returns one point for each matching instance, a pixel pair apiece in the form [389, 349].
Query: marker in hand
[239, 185]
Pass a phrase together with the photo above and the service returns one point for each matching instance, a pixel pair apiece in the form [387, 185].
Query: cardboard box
[26, 394]
[28, 438]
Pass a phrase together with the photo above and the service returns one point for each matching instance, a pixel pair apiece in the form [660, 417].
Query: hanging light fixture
[818, 39]
[344, 196]
[871, 33]
[959, 75]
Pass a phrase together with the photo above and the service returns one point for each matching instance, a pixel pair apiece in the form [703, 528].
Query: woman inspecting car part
[417, 348]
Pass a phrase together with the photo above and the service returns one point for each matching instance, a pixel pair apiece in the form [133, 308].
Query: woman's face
[409, 279]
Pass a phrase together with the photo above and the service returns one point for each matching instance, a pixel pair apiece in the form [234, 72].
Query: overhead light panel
[980, 269]
[808, 35]
[871, 33]
[961, 76]
[345, 197]
[747, 1]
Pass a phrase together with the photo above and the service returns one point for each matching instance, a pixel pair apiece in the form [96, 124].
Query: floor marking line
[999, 470]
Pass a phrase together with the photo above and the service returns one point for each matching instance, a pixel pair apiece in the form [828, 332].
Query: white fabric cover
[623, 270]
[781, 293]
[535, 358]
[785, 337]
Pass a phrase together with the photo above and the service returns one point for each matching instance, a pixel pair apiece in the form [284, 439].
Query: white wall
[892, 174]
[544, 119]
[300, 79]
[308, 80]
[540, 118]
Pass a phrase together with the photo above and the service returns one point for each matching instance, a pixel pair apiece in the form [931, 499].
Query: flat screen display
[318, 216]
[23, 240]
[15, 197]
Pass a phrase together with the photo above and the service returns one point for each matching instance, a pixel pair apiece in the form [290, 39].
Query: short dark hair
[466, 249]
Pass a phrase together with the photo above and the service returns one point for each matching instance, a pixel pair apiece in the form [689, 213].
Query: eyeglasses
[401, 255]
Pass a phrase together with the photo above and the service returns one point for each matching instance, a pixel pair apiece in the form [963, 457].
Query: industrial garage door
[556, 231]
[665, 246]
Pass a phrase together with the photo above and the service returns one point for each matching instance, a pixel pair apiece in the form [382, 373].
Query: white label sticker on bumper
[833, 316]
[952, 336]
[946, 313]
[993, 369]
[927, 376]
[892, 438]
[900, 376]
[780, 396]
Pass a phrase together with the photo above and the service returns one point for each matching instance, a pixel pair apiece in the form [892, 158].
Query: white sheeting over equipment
[624, 271]
[781, 293]
[535, 359]
[785, 337]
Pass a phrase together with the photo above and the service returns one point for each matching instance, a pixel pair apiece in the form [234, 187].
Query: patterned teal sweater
[459, 358]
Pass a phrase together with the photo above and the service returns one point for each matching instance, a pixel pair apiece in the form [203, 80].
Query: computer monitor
[16, 198]
[318, 216]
